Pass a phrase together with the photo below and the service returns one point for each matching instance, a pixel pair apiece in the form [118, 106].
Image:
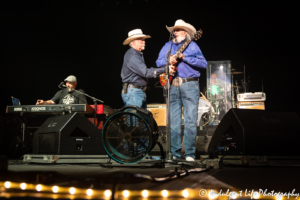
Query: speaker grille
[47, 143]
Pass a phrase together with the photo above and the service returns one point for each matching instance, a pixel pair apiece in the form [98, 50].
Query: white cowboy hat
[134, 34]
[181, 24]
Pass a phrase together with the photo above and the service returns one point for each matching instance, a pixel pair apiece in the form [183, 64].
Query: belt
[139, 87]
[184, 80]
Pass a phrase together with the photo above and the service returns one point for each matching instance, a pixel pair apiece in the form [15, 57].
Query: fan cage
[128, 136]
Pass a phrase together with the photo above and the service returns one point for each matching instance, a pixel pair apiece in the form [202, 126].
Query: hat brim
[70, 80]
[191, 30]
[128, 40]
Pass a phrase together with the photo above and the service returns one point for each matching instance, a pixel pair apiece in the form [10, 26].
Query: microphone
[173, 35]
[61, 84]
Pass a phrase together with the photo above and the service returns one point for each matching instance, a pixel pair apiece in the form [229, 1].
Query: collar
[139, 52]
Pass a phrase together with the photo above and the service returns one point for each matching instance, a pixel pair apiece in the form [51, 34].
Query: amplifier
[159, 113]
[260, 105]
[256, 96]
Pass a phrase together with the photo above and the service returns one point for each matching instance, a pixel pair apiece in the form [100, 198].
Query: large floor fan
[129, 134]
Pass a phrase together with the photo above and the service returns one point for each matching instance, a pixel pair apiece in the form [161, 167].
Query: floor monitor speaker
[70, 134]
[257, 132]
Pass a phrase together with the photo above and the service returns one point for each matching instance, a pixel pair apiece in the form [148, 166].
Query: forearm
[137, 66]
[48, 102]
[153, 72]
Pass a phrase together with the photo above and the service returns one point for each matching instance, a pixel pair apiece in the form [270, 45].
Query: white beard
[143, 47]
[70, 89]
[178, 39]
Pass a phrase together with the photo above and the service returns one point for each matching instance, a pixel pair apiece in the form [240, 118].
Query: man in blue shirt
[184, 90]
[134, 72]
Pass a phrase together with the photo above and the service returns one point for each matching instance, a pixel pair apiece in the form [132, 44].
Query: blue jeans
[134, 97]
[186, 95]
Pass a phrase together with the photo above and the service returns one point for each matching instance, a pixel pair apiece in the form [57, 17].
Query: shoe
[175, 158]
[189, 159]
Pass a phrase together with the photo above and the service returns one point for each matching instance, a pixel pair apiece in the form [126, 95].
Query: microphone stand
[245, 87]
[94, 100]
[167, 87]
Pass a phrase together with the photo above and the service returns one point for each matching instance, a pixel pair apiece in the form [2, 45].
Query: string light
[7, 184]
[145, 193]
[165, 193]
[278, 197]
[23, 186]
[233, 195]
[185, 193]
[107, 193]
[55, 189]
[126, 193]
[89, 192]
[77, 192]
[256, 195]
[212, 194]
[38, 187]
[72, 190]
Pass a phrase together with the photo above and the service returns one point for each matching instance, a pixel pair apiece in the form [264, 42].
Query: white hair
[131, 45]
[187, 36]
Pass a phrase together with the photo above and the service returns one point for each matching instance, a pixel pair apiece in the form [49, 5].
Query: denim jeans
[134, 97]
[186, 95]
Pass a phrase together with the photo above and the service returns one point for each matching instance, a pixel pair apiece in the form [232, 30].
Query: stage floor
[278, 178]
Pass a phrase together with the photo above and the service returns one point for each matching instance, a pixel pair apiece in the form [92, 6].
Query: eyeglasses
[178, 29]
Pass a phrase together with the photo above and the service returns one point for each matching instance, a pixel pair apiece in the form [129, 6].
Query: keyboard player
[66, 95]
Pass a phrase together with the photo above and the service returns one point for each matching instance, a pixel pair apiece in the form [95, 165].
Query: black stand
[169, 155]
[245, 87]
[94, 100]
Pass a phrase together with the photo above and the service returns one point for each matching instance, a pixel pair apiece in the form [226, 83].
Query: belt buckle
[177, 82]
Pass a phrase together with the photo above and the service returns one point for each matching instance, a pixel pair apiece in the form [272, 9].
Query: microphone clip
[61, 85]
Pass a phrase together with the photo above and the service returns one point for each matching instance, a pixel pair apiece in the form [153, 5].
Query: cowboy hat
[134, 34]
[181, 24]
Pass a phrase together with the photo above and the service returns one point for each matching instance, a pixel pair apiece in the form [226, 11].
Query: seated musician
[66, 95]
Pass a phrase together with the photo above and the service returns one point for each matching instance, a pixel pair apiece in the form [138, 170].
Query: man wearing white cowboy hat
[134, 72]
[186, 93]
[66, 95]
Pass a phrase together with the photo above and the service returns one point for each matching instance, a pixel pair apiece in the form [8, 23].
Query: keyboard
[57, 109]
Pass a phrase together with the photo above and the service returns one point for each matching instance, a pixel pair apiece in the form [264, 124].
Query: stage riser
[48, 159]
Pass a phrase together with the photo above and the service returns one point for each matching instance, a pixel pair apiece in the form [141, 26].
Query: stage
[277, 176]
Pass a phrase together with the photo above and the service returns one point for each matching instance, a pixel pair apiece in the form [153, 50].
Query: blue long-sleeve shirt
[134, 69]
[192, 63]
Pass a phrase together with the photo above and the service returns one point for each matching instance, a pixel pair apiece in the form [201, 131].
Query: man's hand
[172, 70]
[39, 102]
[172, 60]
[181, 56]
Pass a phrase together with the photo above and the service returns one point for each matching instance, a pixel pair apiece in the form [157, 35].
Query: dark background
[42, 42]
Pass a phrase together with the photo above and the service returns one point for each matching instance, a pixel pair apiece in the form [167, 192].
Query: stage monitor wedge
[70, 134]
[257, 132]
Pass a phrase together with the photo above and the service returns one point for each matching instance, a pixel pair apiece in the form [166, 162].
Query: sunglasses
[178, 29]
